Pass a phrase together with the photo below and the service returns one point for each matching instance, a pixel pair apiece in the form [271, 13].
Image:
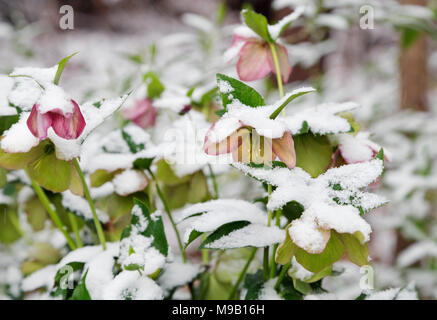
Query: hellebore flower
[66, 125]
[142, 113]
[251, 136]
[255, 58]
[358, 148]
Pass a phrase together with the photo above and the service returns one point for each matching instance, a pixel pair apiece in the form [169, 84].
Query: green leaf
[301, 286]
[292, 210]
[313, 153]
[287, 290]
[358, 253]
[36, 214]
[286, 249]
[8, 231]
[258, 23]
[194, 234]
[100, 177]
[155, 228]
[289, 98]
[81, 292]
[408, 37]
[220, 112]
[154, 85]
[253, 283]
[15, 161]
[143, 163]
[198, 188]
[51, 173]
[317, 262]
[61, 66]
[166, 175]
[133, 147]
[223, 231]
[241, 91]
[7, 121]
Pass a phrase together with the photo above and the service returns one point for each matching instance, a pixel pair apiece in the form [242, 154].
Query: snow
[19, 138]
[268, 292]
[276, 29]
[417, 252]
[321, 119]
[298, 271]
[249, 236]
[54, 97]
[137, 249]
[81, 208]
[177, 273]
[6, 84]
[128, 285]
[43, 278]
[407, 293]
[129, 181]
[322, 212]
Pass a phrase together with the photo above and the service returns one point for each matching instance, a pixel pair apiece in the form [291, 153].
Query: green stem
[282, 275]
[242, 274]
[86, 191]
[73, 222]
[205, 252]
[214, 182]
[275, 247]
[266, 263]
[278, 70]
[167, 210]
[52, 213]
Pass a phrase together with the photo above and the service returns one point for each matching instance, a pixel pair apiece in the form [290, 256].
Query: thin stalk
[205, 252]
[167, 210]
[242, 274]
[73, 222]
[282, 275]
[86, 191]
[278, 70]
[214, 181]
[52, 213]
[266, 263]
[275, 247]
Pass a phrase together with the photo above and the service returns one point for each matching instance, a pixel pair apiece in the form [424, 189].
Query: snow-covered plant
[200, 187]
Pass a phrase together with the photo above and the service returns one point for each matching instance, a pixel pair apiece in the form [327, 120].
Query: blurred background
[388, 65]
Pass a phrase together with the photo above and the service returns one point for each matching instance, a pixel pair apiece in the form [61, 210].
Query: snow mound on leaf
[81, 208]
[253, 235]
[19, 138]
[178, 273]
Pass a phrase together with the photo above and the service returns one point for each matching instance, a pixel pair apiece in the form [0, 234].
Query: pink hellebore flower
[256, 60]
[142, 113]
[246, 145]
[68, 126]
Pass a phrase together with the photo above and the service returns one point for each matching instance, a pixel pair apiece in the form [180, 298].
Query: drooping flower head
[142, 113]
[67, 125]
[256, 45]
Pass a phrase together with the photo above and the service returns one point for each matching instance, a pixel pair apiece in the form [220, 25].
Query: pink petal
[142, 114]
[284, 149]
[39, 123]
[253, 63]
[226, 145]
[69, 126]
[284, 62]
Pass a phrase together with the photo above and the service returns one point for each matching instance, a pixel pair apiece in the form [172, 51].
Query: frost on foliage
[331, 201]
[143, 244]
[233, 223]
[80, 207]
[322, 119]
